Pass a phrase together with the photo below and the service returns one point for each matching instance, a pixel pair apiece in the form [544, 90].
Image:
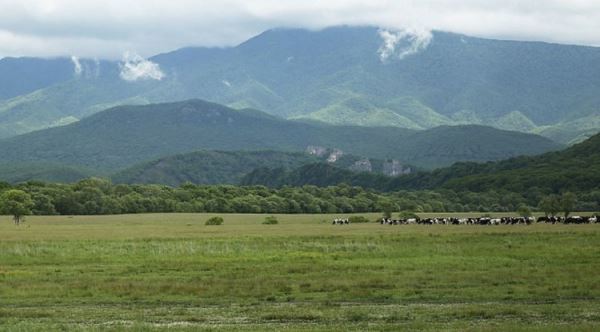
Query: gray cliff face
[318, 151]
[395, 168]
[363, 165]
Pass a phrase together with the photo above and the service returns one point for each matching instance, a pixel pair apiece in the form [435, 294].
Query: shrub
[214, 221]
[270, 220]
[524, 211]
[357, 219]
[408, 215]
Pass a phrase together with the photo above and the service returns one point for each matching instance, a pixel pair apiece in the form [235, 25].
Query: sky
[107, 29]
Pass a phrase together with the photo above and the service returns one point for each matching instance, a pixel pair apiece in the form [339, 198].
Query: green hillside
[229, 167]
[574, 169]
[50, 172]
[209, 167]
[20, 76]
[336, 75]
[123, 136]
[66, 102]
[316, 174]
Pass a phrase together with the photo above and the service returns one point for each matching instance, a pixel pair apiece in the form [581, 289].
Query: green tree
[550, 205]
[524, 211]
[16, 203]
[567, 203]
[387, 207]
[42, 205]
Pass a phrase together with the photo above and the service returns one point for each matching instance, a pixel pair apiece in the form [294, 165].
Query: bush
[357, 219]
[214, 221]
[408, 215]
[524, 211]
[271, 220]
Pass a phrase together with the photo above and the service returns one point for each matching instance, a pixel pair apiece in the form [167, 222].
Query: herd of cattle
[480, 221]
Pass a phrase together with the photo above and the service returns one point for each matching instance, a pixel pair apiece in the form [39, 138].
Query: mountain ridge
[125, 135]
[336, 75]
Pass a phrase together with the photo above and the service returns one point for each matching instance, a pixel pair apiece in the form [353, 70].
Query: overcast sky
[108, 28]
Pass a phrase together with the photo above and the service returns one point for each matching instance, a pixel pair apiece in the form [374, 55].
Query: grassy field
[158, 271]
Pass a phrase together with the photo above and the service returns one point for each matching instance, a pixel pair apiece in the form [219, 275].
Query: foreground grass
[162, 271]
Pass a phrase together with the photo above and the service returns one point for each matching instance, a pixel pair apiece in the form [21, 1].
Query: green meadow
[170, 271]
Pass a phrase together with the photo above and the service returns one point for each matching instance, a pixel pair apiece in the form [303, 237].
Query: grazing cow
[485, 220]
[339, 221]
[574, 220]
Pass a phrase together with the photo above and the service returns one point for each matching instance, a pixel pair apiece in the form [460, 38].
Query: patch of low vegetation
[214, 221]
[270, 220]
[358, 219]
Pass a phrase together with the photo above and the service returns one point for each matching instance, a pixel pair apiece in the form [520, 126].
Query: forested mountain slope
[123, 136]
[343, 75]
[574, 169]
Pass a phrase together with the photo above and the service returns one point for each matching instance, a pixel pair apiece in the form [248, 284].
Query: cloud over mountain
[134, 68]
[108, 28]
[402, 43]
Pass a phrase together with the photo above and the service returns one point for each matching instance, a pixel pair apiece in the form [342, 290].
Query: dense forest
[100, 196]
[541, 183]
[576, 169]
[229, 167]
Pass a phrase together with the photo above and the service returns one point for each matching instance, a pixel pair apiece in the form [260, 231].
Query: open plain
[156, 271]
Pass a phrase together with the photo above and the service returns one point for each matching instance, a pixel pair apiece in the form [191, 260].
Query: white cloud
[85, 68]
[76, 65]
[96, 67]
[402, 43]
[106, 28]
[134, 68]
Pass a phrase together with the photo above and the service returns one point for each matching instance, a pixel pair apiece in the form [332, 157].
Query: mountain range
[126, 135]
[341, 75]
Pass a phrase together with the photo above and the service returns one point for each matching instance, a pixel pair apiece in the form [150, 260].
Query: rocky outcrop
[395, 168]
[363, 165]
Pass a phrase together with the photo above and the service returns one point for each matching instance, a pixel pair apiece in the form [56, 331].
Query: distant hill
[316, 174]
[574, 169]
[123, 136]
[229, 167]
[337, 75]
[49, 172]
[209, 167]
[21, 76]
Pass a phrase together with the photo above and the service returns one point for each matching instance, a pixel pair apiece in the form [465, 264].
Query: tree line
[96, 196]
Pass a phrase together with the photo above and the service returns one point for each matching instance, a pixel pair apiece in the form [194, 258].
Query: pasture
[157, 271]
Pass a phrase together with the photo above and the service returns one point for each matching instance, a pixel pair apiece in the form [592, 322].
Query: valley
[299, 165]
